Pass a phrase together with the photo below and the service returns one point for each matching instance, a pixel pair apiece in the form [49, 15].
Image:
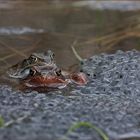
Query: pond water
[37, 26]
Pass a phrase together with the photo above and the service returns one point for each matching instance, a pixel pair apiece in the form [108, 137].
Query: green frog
[43, 62]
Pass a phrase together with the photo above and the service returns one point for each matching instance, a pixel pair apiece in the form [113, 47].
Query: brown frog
[42, 61]
[36, 80]
[40, 71]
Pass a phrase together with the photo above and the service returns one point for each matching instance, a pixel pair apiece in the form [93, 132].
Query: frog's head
[18, 71]
[41, 60]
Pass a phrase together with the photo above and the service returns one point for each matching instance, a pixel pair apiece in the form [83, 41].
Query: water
[111, 5]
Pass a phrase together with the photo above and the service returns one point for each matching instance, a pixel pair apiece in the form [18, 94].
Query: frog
[39, 71]
[43, 82]
[42, 61]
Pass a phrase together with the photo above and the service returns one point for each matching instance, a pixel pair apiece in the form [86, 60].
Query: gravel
[110, 101]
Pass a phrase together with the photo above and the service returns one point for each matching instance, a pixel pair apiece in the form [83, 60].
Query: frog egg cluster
[119, 72]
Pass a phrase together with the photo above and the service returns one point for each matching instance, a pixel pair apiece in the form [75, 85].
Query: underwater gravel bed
[111, 101]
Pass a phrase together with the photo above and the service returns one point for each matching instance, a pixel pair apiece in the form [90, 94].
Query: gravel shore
[110, 100]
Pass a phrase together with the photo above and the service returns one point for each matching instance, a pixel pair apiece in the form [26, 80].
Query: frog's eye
[32, 72]
[33, 58]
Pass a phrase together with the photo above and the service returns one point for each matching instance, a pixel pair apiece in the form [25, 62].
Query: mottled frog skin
[39, 60]
[39, 71]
